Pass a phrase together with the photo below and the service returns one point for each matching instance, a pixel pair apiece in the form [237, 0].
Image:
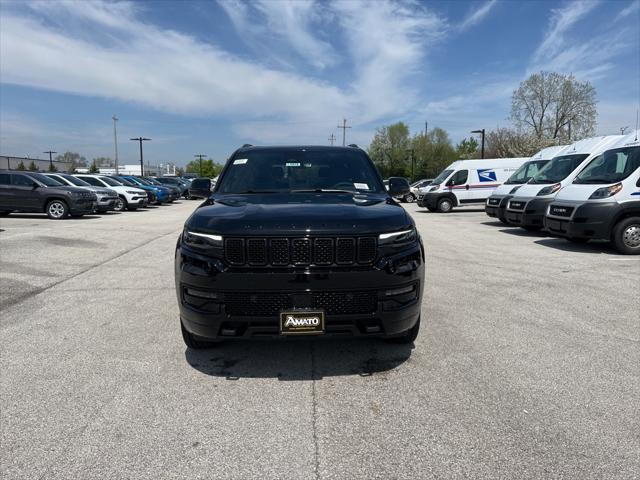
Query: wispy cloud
[476, 15]
[631, 9]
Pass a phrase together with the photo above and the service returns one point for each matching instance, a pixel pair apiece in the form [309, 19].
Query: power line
[344, 131]
[332, 139]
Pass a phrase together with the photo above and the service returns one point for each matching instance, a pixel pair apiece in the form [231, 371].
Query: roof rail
[247, 145]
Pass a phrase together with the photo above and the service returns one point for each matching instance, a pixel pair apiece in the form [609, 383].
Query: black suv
[35, 192]
[299, 241]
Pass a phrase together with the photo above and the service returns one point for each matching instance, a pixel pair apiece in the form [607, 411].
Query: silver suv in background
[106, 197]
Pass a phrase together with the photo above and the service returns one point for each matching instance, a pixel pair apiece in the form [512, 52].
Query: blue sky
[207, 76]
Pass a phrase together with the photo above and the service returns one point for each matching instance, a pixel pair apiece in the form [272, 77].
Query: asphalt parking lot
[527, 365]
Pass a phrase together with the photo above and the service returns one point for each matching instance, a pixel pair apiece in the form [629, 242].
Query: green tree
[21, 166]
[33, 167]
[52, 167]
[432, 153]
[210, 168]
[74, 160]
[94, 168]
[390, 150]
[467, 148]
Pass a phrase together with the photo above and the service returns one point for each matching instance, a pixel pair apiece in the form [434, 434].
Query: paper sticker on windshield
[240, 161]
[361, 186]
[293, 164]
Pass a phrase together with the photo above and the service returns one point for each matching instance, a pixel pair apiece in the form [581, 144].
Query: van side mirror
[398, 186]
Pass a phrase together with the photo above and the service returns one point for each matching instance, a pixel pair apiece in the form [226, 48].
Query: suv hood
[299, 213]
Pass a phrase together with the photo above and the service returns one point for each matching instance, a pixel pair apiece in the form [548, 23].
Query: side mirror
[398, 186]
[200, 187]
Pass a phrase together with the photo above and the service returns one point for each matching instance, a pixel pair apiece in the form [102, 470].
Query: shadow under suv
[298, 241]
[35, 193]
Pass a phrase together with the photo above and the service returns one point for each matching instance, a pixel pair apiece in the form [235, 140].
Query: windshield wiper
[599, 180]
[254, 191]
[323, 190]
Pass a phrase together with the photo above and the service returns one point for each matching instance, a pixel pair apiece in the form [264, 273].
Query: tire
[408, 337]
[57, 210]
[432, 209]
[445, 205]
[193, 342]
[626, 236]
[409, 198]
[120, 205]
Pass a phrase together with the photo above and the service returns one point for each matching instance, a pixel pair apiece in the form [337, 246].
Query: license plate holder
[302, 322]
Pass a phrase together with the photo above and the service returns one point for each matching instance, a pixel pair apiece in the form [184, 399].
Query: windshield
[151, 181]
[525, 172]
[140, 181]
[611, 167]
[76, 181]
[289, 169]
[558, 169]
[442, 177]
[48, 181]
[124, 181]
[110, 181]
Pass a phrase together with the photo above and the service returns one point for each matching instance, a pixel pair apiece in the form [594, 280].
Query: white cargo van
[497, 202]
[468, 181]
[603, 201]
[529, 204]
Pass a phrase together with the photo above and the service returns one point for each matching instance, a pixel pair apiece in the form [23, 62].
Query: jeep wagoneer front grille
[302, 251]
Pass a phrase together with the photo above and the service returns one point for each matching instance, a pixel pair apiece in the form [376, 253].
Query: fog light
[201, 293]
[399, 291]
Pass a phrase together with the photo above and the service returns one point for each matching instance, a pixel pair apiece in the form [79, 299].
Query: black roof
[248, 148]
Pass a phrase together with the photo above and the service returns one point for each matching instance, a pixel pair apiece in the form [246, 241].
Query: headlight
[549, 190]
[133, 192]
[606, 192]
[434, 188]
[201, 240]
[514, 189]
[397, 238]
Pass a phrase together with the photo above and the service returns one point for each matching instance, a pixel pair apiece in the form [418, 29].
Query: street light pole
[200, 156]
[115, 140]
[482, 149]
[140, 140]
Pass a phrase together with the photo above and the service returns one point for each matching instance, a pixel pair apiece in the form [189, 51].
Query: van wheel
[408, 337]
[57, 210]
[626, 236]
[193, 342]
[120, 205]
[445, 205]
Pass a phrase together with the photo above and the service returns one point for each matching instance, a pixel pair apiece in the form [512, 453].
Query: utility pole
[199, 156]
[115, 140]
[426, 128]
[569, 130]
[482, 149]
[140, 140]
[50, 160]
[344, 131]
[332, 139]
[411, 157]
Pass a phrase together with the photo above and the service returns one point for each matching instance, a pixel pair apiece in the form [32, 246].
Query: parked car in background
[200, 188]
[416, 189]
[603, 201]
[157, 195]
[497, 203]
[106, 196]
[529, 204]
[174, 192]
[405, 197]
[36, 193]
[129, 198]
[467, 182]
[176, 182]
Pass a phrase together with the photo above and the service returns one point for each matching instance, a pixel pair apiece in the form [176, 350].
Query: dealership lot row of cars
[589, 190]
[61, 195]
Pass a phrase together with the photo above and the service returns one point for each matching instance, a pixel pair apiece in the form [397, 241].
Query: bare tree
[555, 106]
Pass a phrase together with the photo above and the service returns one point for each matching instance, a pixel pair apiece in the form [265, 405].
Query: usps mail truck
[497, 203]
[603, 201]
[529, 204]
[468, 181]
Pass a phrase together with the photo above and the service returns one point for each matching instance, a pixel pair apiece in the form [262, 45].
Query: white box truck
[497, 203]
[468, 181]
[529, 204]
[603, 201]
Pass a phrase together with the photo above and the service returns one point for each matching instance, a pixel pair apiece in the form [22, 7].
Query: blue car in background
[162, 193]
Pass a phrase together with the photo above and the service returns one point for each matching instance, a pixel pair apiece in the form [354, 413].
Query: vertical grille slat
[301, 251]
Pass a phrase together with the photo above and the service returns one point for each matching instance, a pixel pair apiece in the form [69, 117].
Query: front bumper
[496, 206]
[532, 215]
[429, 200]
[105, 204]
[248, 302]
[82, 206]
[591, 220]
[139, 201]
